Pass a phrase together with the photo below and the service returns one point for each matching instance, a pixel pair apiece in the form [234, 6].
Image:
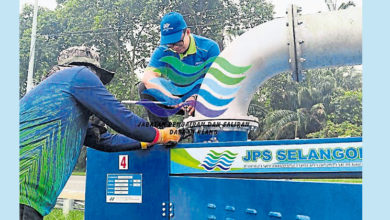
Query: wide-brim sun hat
[80, 55]
[171, 28]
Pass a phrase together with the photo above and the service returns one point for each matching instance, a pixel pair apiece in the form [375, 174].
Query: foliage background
[327, 104]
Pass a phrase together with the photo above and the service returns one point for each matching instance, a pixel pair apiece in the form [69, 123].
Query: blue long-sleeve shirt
[53, 125]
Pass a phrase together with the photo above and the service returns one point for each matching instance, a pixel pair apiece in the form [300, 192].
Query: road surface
[74, 188]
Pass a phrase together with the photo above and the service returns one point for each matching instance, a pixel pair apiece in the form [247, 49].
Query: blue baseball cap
[171, 27]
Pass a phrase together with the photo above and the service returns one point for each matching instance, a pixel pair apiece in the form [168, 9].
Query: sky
[51, 4]
[308, 6]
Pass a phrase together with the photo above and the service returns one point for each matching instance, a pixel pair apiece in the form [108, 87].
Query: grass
[78, 173]
[56, 214]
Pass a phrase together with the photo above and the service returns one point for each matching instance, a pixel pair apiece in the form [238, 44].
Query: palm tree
[346, 5]
[288, 124]
[332, 5]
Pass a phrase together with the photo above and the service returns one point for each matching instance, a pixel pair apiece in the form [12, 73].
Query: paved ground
[74, 188]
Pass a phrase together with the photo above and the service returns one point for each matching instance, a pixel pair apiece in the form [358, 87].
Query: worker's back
[52, 129]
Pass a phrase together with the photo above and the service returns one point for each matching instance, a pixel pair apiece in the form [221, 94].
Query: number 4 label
[123, 162]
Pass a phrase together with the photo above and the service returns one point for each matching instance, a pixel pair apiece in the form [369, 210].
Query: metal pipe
[142, 102]
[322, 40]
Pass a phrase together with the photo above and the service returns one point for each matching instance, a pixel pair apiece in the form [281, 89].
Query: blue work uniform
[199, 50]
[53, 126]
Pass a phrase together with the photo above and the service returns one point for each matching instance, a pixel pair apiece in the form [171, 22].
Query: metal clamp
[294, 43]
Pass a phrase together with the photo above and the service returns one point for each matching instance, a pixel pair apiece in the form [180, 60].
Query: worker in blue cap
[178, 41]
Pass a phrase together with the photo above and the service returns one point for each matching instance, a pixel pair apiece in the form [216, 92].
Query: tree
[332, 5]
[45, 53]
[287, 124]
[347, 107]
[345, 129]
[126, 32]
[296, 110]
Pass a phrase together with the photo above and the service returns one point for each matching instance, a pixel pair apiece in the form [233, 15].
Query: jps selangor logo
[215, 160]
[166, 27]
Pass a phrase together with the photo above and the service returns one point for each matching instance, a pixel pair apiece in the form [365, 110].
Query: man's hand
[190, 108]
[168, 135]
[175, 97]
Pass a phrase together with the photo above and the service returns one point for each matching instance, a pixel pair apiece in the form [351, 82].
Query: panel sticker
[124, 188]
[311, 157]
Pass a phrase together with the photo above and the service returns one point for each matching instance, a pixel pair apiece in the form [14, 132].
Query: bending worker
[177, 41]
[54, 126]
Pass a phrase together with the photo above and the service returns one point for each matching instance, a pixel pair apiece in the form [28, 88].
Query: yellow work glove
[168, 136]
[145, 145]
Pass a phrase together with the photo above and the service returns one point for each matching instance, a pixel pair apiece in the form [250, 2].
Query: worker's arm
[154, 69]
[213, 50]
[112, 143]
[117, 143]
[88, 90]
[98, 138]
[151, 73]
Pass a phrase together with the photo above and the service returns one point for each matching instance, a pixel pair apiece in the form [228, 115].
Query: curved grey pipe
[318, 40]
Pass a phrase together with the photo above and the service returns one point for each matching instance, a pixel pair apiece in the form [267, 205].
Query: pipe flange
[294, 43]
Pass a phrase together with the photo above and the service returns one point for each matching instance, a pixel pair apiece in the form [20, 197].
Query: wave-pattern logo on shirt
[184, 80]
[215, 160]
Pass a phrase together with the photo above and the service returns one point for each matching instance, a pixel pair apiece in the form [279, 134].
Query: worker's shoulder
[75, 76]
[163, 50]
[158, 53]
[84, 76]
[73, 70]
[63, 74]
